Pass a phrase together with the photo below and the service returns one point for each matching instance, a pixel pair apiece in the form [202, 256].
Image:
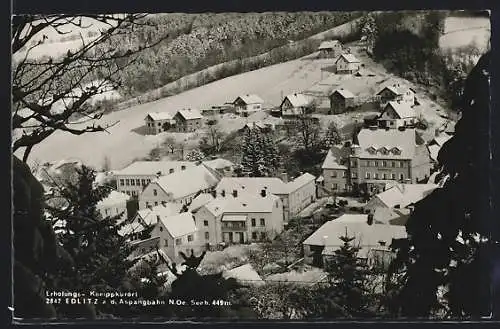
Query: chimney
[158, 174]
[263, 193]
[370, 219]
[235, 193]
[382, 243]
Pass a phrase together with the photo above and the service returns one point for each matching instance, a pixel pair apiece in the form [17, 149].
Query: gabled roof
[244, 274]
[300, 181]
[396, 87]
[251, 185]
[297, 100]
[328, 44]
[187, 182]
[405, 194]
[404, 140]
[350, 58]
[153, 167]
[440, 140]
[250, 99]
[218, 163]
[391, 216]
[113, 198]
[403, 109]
[155, 116]
[200, 201]
[334, 157]
[149, 216]
[343, 92]
[366, 236]
[179, 225]
[190, 114]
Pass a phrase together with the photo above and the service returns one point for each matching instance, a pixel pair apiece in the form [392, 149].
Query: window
[385, 176]
[178, 242]
[334, 174]
[128, 192]
[156, 203]
[343, 174]
[262, 222]
[149, 181]
[354, 175]
[106, 211]
[334, 186]
[207, 236]
[402, 176]
[190, 238]
[400, 164]
[393, 176]
[147, 204]
[122, 183]
[127, 182]
[138, 182]
[161, 228]
[171, 170]
[134, 193]
[367, 175]
[393, 164]
[132, 182]
[155, 192]
[183, 167]
[254, 235]
[375, 175]
[165, 243]
[376, 163]
[253, 222]
[205, 223]
[263, 235]
[384, 163]
[143, 182]
[159, 124]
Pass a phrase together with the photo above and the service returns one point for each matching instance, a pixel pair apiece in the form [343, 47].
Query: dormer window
[371, 150]
[384, 150]
[396, 150]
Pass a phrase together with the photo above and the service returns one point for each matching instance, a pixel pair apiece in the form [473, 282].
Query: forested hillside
[197, 41]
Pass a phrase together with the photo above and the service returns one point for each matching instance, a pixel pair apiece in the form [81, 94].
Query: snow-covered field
[462, 31]
[121, 143]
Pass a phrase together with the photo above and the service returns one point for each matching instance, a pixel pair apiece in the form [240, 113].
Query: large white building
[113, 205]
[136, 176]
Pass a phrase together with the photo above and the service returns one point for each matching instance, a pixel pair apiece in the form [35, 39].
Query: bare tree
[47, 92]
[308, 133]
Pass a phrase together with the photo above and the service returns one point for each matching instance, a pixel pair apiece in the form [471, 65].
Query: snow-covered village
[278, 166]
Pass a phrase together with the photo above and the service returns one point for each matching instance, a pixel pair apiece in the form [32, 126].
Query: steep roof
[343, 92]
[440, 140]
[405, 194]
[250, 99]
[179, 225]
[403, 109]
[300, 181]
[244, 274]
[153, 167]
[187, 182]
[200, 201]
[328, 44]
[297, 100]
[155, 116]
[390, 216]
[190, 114]
[404, 140]
[350, 58]
[366, 236]
[218, 163]
[334, 156]
[150, 215]
[113, 198]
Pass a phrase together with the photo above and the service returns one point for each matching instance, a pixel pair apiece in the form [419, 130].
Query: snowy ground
[462, 31]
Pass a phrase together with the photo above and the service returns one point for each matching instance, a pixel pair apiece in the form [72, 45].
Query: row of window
[262, 222]
[134, 182]
[384, 176]
[132, 193]
[380, 163]
[262, 235]
[152, 124]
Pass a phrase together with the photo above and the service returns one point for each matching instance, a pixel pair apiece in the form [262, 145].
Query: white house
[114, 204]
[400, 196]
[396, 91]
[136, 176]
[157, 122]
[369, 236]
[294, 105]
[222, 166]
[248, 104]
[181, 186]
[239, 219]
[347, 63]
[397, 114]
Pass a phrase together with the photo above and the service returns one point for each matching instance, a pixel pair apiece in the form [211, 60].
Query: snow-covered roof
[179, 225]
[250, 99]
[366, 236]
[244, 274]
[402, 109]
[297, 100]
[242, 204]
[344, 93]
[113, 198]
[190, 114]
[148, 168]
[218, 163]
[251, 185]
[200, 201]
[328, 44]
[156, 116]
[334, 156]
[350, 58]
[299, 182]
[188, 181]
[405, 194]
[404, 140]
